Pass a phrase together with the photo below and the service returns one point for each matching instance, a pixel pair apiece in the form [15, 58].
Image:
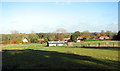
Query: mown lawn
[38, 56]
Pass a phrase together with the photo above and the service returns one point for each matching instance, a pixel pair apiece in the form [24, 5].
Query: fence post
[99, 44]
[88, 45]
[113, 44]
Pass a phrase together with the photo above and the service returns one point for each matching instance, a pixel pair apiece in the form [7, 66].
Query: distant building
[79, 37]
[66, 39]
[103, 37]
[56, 43]
[70, 44]
[11, 42]
[59, 43]
[107, 37]
[41, 41]
[25, 40]
[78, 41]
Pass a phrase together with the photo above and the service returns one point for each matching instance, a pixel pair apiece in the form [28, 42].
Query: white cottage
[25, 40]
[78, 41]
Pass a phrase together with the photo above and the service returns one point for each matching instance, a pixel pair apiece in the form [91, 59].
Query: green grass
[37, 56]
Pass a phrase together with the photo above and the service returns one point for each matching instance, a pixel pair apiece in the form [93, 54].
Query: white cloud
[39, 22]
[68, 1]
[108, 13]
[112, 27]
[115, 23]
[83, 21]
[86, 0]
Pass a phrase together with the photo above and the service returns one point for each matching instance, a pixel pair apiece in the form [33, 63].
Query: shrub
[34, 40]
[18, 40]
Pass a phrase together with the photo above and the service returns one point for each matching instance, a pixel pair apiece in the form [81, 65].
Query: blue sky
[49, 16]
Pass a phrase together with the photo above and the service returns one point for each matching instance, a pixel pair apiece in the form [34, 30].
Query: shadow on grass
[51, 60]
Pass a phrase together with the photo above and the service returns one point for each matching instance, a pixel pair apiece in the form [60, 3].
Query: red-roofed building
[79, 37]
[66, 39]
[11, 42]
[103, 37]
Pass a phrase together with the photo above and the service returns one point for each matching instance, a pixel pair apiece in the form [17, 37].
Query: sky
[49, 16]
[60, 0]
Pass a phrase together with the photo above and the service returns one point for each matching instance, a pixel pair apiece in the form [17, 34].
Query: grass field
[38, 56]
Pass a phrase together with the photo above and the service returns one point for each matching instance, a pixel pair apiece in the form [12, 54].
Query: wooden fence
[97, 45]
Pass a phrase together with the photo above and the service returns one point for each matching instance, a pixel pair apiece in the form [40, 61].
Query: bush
[34, 40]
[91, 40]
[18, 40]
[3, 42]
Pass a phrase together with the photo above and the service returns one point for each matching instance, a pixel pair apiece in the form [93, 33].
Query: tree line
[88, 35]
[34, 37]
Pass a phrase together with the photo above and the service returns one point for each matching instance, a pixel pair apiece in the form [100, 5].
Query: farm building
[11, 42]
[69, 43]
[41, 41]
[79, 37]
[59, 43]
[66, 39]
[78, 41]
[103, 37]
[25, 40]
[56, 43]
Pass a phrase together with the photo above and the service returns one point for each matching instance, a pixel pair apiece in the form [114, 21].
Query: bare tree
[32, 31]
[14, 32]
[61, 30]
[60, 34]
[103, 33]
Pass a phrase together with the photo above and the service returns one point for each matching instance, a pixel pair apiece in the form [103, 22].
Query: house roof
[103, 37]
[79, 37]
[11, 41]
[57, 41]
[25, 40]
[66, 38]
[40, 39]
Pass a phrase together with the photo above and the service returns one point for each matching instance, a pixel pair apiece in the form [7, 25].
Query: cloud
[108, 13]
[86, 0]
[68, 1]
[115, 23]
[60, 3]
[63, 3]
[83, 21]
